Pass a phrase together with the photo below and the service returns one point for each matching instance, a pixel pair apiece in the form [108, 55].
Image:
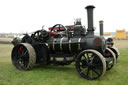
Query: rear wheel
[90, 64]
[23, 56]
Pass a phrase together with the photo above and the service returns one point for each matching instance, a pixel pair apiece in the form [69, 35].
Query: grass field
[5, 40]
[60, 75]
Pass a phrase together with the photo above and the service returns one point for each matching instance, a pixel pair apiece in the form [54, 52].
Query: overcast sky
[31, 15]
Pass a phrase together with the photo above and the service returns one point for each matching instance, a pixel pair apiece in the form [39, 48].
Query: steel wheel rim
[20, 57]
[92, 68]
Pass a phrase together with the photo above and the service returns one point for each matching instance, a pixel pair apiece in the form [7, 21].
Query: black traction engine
[62, 45]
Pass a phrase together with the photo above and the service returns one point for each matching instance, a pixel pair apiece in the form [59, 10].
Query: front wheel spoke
[110, 62]
[95, 72]
[80, 65]
[91, 73]
[85, 56]
[98, 67]
[83, 70]
[88, 72]
[86, 59]
[92, 58]
[81, 61]
[88, 56]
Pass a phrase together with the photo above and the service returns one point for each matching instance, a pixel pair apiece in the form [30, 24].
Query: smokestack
[90, 20]
[101, 28]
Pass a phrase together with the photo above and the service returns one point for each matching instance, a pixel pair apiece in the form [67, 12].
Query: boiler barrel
[66, 45]
[74, 45]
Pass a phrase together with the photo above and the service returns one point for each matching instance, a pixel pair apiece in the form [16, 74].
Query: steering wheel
[58, 26]
[57, 30]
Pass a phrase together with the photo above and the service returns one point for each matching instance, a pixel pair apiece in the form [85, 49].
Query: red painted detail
[62, 28]
[57, 28]
[55, 34]
[20, 49]
[51, 33]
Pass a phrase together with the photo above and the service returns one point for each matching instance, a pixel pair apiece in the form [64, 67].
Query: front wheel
[116, 51]
[110, 58]
[90, 64]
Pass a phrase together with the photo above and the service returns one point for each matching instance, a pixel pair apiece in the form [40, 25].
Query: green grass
[58, 75]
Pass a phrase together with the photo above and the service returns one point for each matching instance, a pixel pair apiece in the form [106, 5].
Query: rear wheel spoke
[18, 60]
[25, 53]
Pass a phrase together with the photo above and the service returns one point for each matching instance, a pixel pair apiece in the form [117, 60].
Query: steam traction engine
[63, 45]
